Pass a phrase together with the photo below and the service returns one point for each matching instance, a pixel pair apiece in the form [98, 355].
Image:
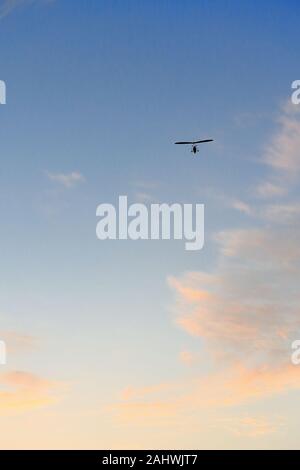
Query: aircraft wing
[191, 143]
[195, 142]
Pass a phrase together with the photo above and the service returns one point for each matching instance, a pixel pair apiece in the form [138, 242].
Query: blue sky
[103, 89]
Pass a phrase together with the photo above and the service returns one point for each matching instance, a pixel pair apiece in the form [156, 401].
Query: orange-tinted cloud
[187, 357]
[222, 390]
[251, 426]
[22, 391]
[18, 343]
[245, 311]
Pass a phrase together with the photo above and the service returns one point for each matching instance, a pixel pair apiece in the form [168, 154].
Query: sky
[142, 344]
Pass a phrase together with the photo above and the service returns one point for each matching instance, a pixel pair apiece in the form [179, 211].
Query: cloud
[68, 180]
[245, 314]
[251, 426]
[282, 213]
[144, 198]
[209, 396]
[268, 189]
[244, 311]
[18, 343]
[144, 191]
[242, 207]
[240, 384]
[187, 358]
[156, 413]
[8, 6]
[23, 391]
[282, 154]
[134, 392]
[249, 306]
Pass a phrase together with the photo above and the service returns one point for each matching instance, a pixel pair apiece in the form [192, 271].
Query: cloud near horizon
[23, 391]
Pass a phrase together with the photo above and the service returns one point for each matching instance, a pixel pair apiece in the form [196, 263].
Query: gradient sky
[122, 344]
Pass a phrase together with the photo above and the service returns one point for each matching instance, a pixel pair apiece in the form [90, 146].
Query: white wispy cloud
[8, 6]
[282, 153]
[145, 191]
[242, 206]
[68, 180]
[268, 189]
[282, 213]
